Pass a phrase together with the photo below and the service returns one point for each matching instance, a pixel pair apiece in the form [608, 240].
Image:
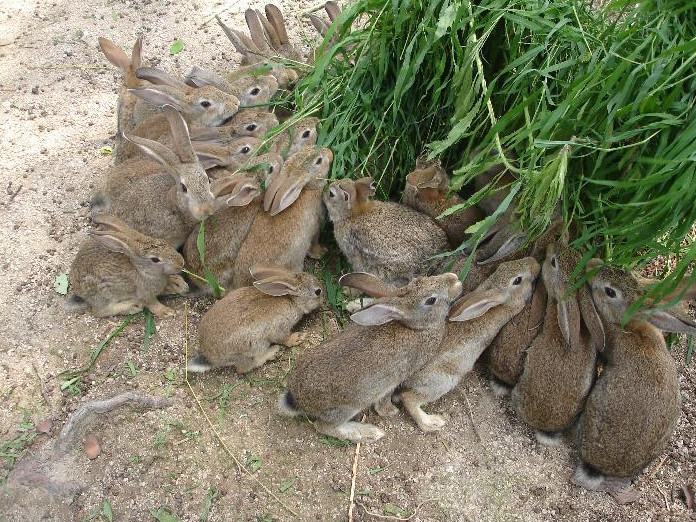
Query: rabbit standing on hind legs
[393, 339]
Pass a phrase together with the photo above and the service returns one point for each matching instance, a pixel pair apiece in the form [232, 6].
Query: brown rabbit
[245, 328]
[294, 136]
[323, 28]
[251, 89]
[169, 204]
[474, 321]
[388, 239]
[227, 229]
[121, 271]
[392, 340]
[561, 362]
[633, 408]
[428, 190]
[218, 159]
[284, 234]
[638, 373]
[247, 122]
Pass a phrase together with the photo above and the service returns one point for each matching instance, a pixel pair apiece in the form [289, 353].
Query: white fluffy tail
[199, 364]
[548, 438]
[287, 406]
[588, 479]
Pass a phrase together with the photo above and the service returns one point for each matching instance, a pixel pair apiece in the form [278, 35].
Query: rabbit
[165, 205]
[428, 190]
[474, 321]
[131, 109]
[118, 270]
[634, 406]
[247, 122]
[219, 160]
[388, 239]
[289, 228]
[245, 328]
[393, 339]
[323, 28]
[294, 136]
[229, 226]
[561, 361]
[251, 89]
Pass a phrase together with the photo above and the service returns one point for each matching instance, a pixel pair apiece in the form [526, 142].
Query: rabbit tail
[588, 477]
[75, 304]
[287, 405]
[199, 364]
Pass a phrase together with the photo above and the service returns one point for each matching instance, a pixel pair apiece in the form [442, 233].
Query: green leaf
[107, 511]
[131, 368]
[447, 17]
[253, 463]
[150, 329]
[61, 284]
[176, 47]
[333, 442]
[210, 498]
[163, 515]
[209, 277]
[287, 484]
[106, 151]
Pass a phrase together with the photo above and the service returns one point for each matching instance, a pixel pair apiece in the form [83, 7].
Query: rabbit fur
[393, 339]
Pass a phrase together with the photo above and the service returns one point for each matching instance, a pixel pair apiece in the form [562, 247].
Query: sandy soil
[58, 111]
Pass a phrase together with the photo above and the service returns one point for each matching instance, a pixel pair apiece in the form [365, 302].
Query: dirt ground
[58, 112]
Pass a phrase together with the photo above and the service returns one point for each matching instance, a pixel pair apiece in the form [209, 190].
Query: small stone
[92, 447]
[44, 426]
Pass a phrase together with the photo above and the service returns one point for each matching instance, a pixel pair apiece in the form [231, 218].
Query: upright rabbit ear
[476, 303]
[111, 223]
[673, 320]
[364, 188]
[537, 307]
[136, 53]
[267, 271]
[276, 287]
[159, 77]
[182, 142]
[368, 284]
[200, 78]
[332, 10]
[320, 25]
[275, 16]
[591, 318]
[159, 95]
[155, 150]
[241, 42]
[257, 32]
[502, 245]
[115, 54]
[114, 242]
[378, 313]
[569, 320]
[269, 31]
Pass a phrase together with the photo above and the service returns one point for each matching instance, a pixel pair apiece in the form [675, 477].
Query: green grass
[596, 105]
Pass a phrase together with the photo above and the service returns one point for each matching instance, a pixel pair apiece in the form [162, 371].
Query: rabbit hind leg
[352, 431]
[125, 307]
[424, 388]
[259, 359]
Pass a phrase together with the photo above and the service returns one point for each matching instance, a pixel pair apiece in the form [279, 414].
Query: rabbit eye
[251, 127]
[183, 188]
[317, 291]
[517, 280]
[553, 262]
[255, 91]
[306, 134]
[318, 162]
[205, 104]
[332, 194]
[431, 301]
[245, 150]
[610, 292]
[155, 259]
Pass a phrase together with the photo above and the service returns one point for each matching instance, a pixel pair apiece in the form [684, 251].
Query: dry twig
[664, 496]
[471, 415]
[354, 476]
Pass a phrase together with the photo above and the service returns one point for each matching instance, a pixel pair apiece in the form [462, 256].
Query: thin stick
[352, 482]
[654, 472]
[664, 496]
[471, 415]
[390, 517]
[79, 67]
[208, 20]
[240, 466]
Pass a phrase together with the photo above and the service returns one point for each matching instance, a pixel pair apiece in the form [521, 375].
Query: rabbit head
[305, 289]
[231, 155]
[307, 167]
[146, 253]
[614, 290]
[301, 133]
[254, 90]
[421, 304]
[432, 178]
[248, 122]
[207, 106]
[198, 77]
[194, 197]
[345, 196]
[511, 284]
[238, 189]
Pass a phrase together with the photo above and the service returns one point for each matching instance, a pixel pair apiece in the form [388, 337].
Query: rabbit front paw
[159, 309]
[385, 408]
[175, 285]
[295, 339]
[352, 431]
[431, 422]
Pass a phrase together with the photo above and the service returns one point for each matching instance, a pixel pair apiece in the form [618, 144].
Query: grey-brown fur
[120, 271]
[363, 364]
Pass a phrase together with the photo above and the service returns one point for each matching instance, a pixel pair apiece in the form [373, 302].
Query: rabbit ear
[475, 304]
[591, 318]
[159, 95]
[256, 31]
[672, 320]
[509, 245]
[378, 313]
[245, 193]
[275, 17]
[136, 53]
[241, 42]
[364, 188]
[211, 155]
[114, 242]
[684, 286]
[320, 25]
[276, 287]
[368, 284]
[269, 31]
[155, 150]
[159, 77]
[115, 54]
[200, 77]
[114, 224]
[332, 10]
[569, 320]
[182, 142]
[537, 307]
[268, 271]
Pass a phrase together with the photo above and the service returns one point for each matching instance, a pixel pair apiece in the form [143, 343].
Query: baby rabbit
[390, 240]
[474, 321]
[251, 89]
[244, 329]
[428, 190]
[230, 225]
[284, 234]
[247, 122]
[561, 361]
[165, 205]
[633, 408]
[392, 340]
[118, 270]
